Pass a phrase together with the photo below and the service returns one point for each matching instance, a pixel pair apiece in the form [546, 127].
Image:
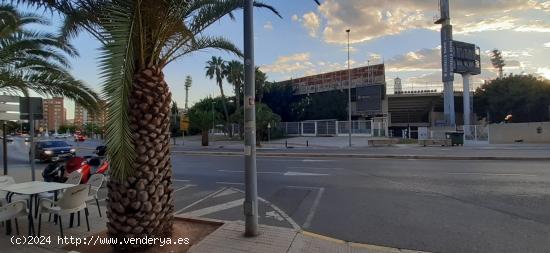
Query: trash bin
[457, 138]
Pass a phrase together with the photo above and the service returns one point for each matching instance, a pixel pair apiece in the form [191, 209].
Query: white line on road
[491, 174]
[313, 168]
[180, 180]
[292, 173]
[316, 161]
[200, 200]
[184, 187]
[229, 183]
[314, 206]
[242, 171]
[216, 208]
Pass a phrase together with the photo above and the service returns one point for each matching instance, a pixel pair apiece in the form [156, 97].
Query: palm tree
[31, 60]
[234, 72]
[215, 70]
[261, 79]
[140, 37]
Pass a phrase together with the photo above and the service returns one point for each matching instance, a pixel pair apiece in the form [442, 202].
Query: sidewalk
[229, 239]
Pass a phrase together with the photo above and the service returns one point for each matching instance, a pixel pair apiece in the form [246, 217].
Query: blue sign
[447, 52]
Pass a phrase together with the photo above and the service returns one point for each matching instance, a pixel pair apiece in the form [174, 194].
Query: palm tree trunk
[142, 205]
[224, 103]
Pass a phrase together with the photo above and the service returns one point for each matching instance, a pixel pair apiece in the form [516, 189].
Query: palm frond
[117, 64]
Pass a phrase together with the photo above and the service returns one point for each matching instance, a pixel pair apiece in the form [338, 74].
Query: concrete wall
[527, 132]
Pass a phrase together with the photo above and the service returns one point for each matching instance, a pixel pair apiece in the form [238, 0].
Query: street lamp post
[250, 175]
[349, 92]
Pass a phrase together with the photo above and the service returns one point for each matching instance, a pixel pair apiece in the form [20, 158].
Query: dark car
[7, 139]
[53, 150]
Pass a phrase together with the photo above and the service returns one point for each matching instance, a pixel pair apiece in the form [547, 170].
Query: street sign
[184, 123]
[35, 106]
[9, 109]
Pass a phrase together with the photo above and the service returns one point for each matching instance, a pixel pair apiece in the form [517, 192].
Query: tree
[188, 83]
[202, 120]
[66, 129]
[261, 79]
[280, 98]
[215, 70]
[234, 72]
[32, 60]
[139, 38]
[264, 118]
[525, 97]
[498, 62]
[175, 121]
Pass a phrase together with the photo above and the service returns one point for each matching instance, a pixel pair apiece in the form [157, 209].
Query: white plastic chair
[74, 178]
[12, 211]
[5, 181]
[95, 182]
[72, 201]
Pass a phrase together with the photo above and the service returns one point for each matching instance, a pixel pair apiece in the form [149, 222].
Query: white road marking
[184, 187]
[216, 208]
[292, 173]
[491, 174]
[313, 168]
[180, 180]
[242, 171]
[316, 161]
[200, 200]
[274, 215]
[313, 209]
[229, 183]
[294, 225]
[225, 193]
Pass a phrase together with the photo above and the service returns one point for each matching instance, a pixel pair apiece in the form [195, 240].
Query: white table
[32, 189]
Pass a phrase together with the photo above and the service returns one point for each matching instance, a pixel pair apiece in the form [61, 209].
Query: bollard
[307, 143]
[286, 144]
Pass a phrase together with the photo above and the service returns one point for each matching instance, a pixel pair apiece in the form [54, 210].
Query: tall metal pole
[31, 133]
[349, 93]
[250, 174]
[467, 107]
[5, 146]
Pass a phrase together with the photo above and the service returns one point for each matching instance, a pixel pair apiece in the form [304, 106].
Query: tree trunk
[142, 205]
[225, 111]
[204, 139]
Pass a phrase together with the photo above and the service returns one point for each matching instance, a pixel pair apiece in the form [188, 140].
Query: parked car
[7, 139]
[53, 150]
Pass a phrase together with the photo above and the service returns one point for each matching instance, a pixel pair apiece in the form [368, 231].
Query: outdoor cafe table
[32, 189]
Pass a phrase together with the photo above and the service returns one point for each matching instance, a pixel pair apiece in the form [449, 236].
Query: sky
[311, 39]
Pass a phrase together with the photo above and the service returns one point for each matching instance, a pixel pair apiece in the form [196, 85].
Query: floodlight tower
[447, 62]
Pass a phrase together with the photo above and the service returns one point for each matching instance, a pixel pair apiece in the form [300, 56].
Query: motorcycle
[87, 166]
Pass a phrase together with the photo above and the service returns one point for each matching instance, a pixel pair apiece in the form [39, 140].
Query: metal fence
[476, 133]
[376, 128]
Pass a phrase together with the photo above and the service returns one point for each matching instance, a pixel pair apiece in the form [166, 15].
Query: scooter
[87, 166]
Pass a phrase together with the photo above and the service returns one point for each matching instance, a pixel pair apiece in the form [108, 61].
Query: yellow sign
[184, 123]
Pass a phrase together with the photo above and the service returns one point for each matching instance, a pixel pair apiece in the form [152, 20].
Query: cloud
[312, 23]
[289, 64]
[547, 44]
[268, 25]
[370, 19]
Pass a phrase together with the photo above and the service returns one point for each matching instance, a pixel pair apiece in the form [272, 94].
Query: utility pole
[251, 178]
[5, 146]
[349, 92]
[31, 133]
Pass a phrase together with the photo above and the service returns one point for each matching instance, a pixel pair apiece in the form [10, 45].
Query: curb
[370, 247]
[367, 156]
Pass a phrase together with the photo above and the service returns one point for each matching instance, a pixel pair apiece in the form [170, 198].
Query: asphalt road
[440, 206]
[430, 205]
